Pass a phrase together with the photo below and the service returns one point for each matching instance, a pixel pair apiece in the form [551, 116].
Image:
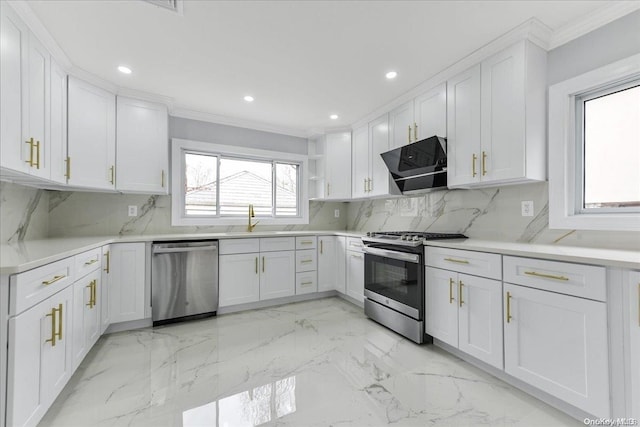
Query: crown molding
[592, 21]
[185, 113]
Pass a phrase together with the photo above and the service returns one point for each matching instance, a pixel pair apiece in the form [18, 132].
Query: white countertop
[608, 257]
[29, 254]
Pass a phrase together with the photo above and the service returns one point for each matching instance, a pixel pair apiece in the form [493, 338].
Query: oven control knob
[416, 238]
[403, 237]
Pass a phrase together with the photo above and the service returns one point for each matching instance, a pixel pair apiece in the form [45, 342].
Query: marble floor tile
[314, 363]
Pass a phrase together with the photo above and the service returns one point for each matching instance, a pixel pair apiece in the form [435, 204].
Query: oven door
[394, 279]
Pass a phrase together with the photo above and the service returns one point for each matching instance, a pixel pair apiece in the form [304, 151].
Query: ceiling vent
[172, 5]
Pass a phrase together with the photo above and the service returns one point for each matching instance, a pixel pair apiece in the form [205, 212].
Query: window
[215, 184]
[594, 149]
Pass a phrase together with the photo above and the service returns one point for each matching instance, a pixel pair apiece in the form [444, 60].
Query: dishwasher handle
[184, 249]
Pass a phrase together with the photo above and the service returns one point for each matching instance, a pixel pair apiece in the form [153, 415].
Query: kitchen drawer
[306, 242]
[586, 281]
[272, 244]
[475, 263]
[29, 288]
[354, 244]
[307, 282]
[306, 260]
[239, 246]
[87, 262]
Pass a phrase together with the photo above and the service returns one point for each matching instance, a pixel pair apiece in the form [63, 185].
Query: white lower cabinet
[332, 263]
[239, 279]
[355, 275]
[86, 315]
[558, 343]
[634, 347]
[277, 276]
[465, 311]
[127, 282]
[105, 319]
[39, 363]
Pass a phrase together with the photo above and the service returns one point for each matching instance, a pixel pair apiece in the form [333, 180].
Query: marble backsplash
[24, 213]
[488, 214]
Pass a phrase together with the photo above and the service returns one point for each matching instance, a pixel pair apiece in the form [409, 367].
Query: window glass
[200, 184]
[244, 183]
[286, 189]
[611, 150]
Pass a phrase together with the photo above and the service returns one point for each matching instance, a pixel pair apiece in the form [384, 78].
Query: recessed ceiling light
[391, 75]
[333, 117]
[248, 98]
[124, 70]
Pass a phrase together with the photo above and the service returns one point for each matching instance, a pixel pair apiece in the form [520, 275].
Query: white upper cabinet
[360, 162]
[337, 184]
[496, 119]
[91, 136]
[142, 152]
[420, 118]
[58, 124]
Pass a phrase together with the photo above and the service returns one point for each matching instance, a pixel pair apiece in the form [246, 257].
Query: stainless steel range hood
[419, 167]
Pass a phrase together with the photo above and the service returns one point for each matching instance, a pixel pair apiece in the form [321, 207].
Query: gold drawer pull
[357, 256]
[459, 261]
[306, 242]
[305, 261]
[546, 276]
[54, 280]
[306, 283]
[93, 261]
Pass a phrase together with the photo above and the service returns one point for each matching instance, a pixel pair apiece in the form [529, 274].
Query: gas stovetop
[407, 238]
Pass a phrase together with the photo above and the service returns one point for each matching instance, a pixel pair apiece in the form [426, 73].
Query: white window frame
[565, 162]
[180, 146]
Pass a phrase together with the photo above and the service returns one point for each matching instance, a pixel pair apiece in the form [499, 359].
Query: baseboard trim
[275, 302]
[128, 326]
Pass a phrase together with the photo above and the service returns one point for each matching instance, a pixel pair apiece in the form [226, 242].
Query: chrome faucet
[251, 226]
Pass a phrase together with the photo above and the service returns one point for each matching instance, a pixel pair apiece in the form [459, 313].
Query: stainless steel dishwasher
[184, 281]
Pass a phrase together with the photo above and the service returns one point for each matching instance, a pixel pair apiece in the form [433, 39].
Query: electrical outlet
[133, 211]
[527, 208]
[336, 213]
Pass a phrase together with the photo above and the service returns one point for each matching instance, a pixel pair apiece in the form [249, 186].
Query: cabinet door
[86, 315]
[127, 283]
[142, 133]
[91, 136]
[379, 140]
[239, 279]
[92, 327]
[401, 126]
[326, 263]
[36, 120]
[340, 275]
[431, 112]
[338, 165]
[58, 124]
[463, 128]
[502, 154]
[480, 318]
[558, 344]
[38, 367]
[13, 46]
[634, 348]
[441, 305]
[355, 275]
[360, 162]
[105, 320]
[277, 275]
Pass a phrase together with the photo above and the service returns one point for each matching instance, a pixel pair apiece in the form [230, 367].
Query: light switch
[527, 208]
[133, 211]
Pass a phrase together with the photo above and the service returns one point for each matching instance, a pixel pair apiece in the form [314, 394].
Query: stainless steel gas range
[394, 284]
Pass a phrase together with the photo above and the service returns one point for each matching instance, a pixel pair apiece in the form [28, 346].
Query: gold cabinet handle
[473, 165]
[305, 261]
[52, 340]
[93, 261]
[68, 174]
[370, 186]
[256, 265]
[93, 290]
[162, 179]
[321, 241]
[459, 261]
[306, 283]
[59, 333]
[113, 174]
[306, 242]
[484, 163]
[451, 299]
[108, 262]
[54, 280]
[90, 286]
[37, 154]
[509, 317]
[546, 276]
[415, 131]
[409, 134]
[30, 161]
[365, 185]
[328, 189]
[460, 285]
[356, 256]
[263, 264]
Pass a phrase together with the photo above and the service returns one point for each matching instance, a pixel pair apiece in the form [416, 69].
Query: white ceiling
[301, 60]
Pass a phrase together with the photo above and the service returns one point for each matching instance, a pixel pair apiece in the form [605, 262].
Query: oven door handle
[401, 256]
